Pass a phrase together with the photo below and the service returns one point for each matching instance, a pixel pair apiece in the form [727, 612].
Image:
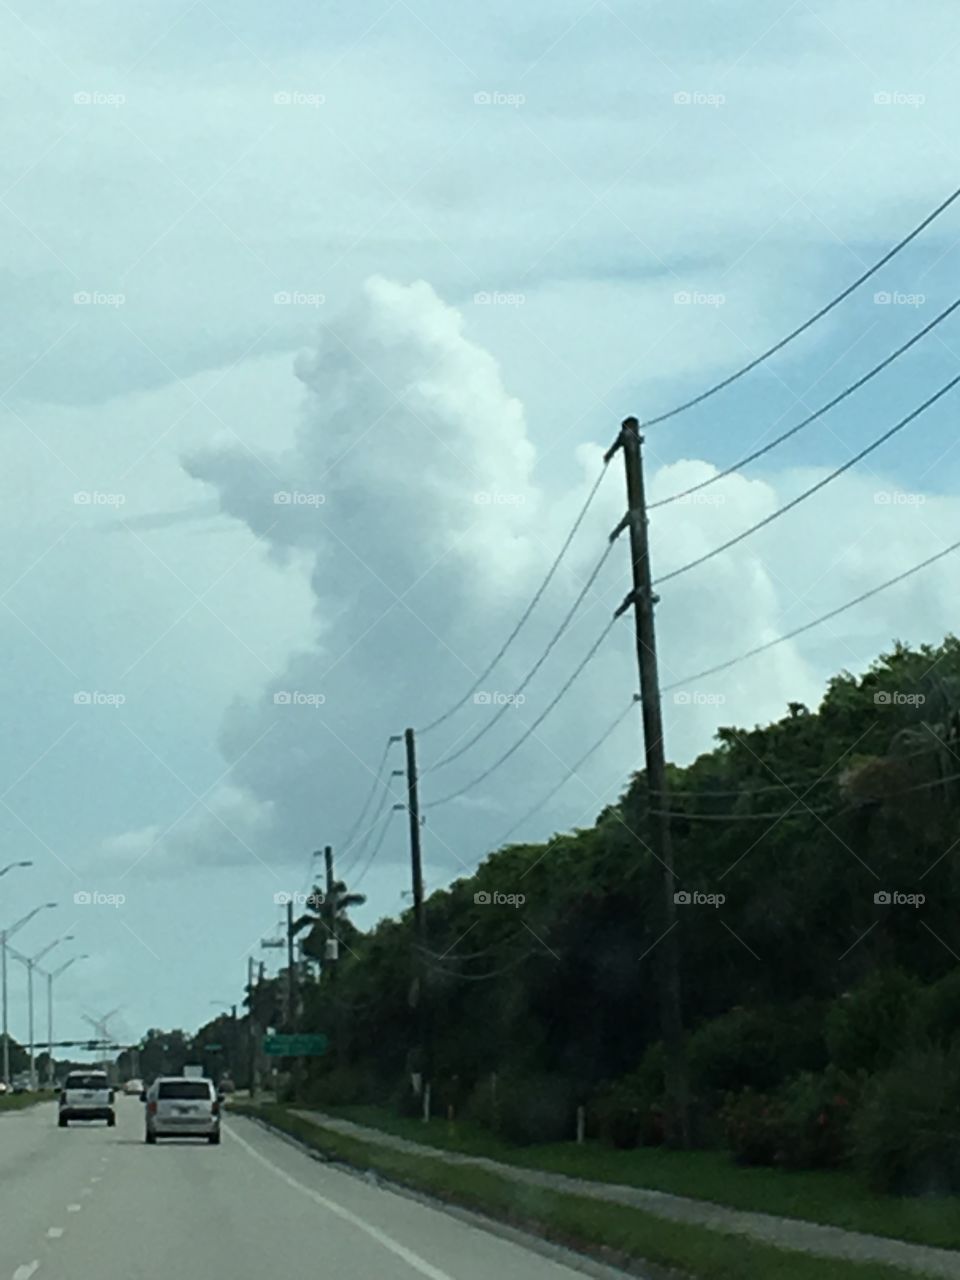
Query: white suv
[86, 1095]
[183, 1107]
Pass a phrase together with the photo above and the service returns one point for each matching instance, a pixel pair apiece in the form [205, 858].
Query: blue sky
[286, 224]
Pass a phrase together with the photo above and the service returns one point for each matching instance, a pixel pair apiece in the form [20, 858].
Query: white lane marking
[25, 1272]
[74, 1208]
[394, 1246]
[86, 1191]
[96, 1179]
[54, 1233]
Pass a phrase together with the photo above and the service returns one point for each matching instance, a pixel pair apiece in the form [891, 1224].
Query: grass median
[18, 1101]
[613, 1233]
[833, 1197]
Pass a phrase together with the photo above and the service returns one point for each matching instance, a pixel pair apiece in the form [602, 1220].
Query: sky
[317, 323]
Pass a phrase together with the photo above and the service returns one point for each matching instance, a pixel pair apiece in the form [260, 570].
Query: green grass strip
[613, 1233]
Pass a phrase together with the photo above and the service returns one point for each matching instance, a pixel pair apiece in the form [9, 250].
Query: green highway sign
[213, 1048]
[295, 1046]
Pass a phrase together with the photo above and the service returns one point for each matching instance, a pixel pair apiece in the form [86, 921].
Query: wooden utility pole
[643, 601]
[419, 918]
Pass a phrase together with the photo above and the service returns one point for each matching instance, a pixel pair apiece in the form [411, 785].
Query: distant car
[86, 1095]
[182, 1107]
[133, 1087]
[3, 1087]
[21, 1086]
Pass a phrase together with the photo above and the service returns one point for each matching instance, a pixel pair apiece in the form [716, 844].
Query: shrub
[756, 1049]
[630, 1112]
[340, 1087]
[867, 1028]
[817, 1111]
[535, 1108]
[936, 1017]
[754, 1127]
[907, 1134]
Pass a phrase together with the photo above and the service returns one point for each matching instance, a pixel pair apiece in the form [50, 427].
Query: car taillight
[152, 1108]
[215, 1109]
[63, 1095]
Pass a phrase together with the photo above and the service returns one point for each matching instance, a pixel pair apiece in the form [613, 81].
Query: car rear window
[189, 1089]
[87, 1082]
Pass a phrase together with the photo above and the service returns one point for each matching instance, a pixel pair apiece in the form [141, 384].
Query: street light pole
[50, 977]
[5, 937]
[30, 962]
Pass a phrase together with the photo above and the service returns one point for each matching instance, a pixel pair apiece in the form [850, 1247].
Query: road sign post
[295, 1046]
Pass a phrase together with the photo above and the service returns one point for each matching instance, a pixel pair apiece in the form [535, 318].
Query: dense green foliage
[802, 987]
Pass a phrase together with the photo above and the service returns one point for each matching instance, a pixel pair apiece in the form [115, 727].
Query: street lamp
[5, 936]
[30, 962]
[11, 865]
[50, 977]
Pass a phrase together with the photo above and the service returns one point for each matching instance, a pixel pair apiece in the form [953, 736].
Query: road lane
[255, 1206]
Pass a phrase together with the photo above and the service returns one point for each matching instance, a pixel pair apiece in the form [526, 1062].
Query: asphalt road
[90, 1202]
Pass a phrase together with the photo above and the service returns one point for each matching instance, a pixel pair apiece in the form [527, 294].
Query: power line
[365, 838]
[572, 770]
[533, 727]
[797, 631]
[526, 613]
[505, 706]
[376, 849]
[821, 484]
[377, 779]
[848, 391]
[484, 977]
[733, 377]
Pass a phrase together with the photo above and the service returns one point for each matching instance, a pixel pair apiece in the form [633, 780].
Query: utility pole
[643, 600]
[252, 1029]
[291, 977]
[419, 918]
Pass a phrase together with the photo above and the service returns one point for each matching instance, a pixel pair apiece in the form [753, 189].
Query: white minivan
[86, 1095]
[182, 1107]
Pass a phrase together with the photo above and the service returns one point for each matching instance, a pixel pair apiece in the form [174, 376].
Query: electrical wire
[376, 849]
[364, 840]
[531, 728]
[848, 391]
[505, 706]
[797, 631]
[485, 977]
[377, 779]
[526, 613]
[795, 333]
[571, 771]
[821, 484]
